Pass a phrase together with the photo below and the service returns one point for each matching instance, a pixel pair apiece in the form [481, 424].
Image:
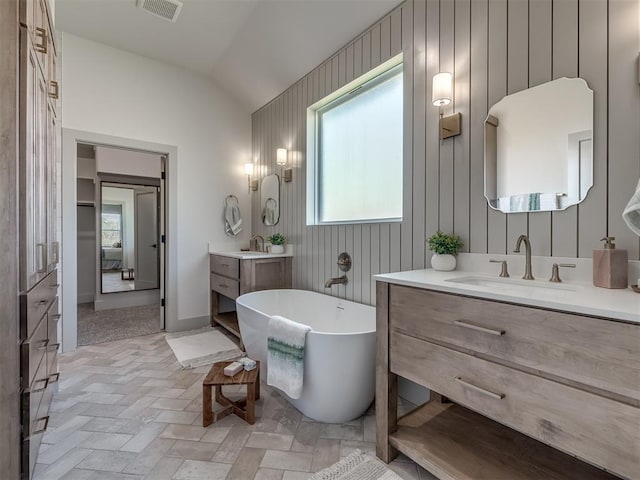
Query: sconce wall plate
[253, 185]
[287, 174]
[450, 125]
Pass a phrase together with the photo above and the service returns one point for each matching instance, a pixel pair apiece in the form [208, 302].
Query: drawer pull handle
[222, 285]
[55, 94]
[497, 396]
[479, 328]
[46, 424]
[53, 346]
[46, 384]
[43, 302]
[43, 344]
[224, 264]
[42, 46]
[56, 316]
[53, 378]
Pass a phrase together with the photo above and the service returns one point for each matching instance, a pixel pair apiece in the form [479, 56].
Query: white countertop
[249, 255]
[575, 297]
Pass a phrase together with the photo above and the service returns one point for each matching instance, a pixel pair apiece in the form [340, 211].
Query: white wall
[128, 162]
[113, 92]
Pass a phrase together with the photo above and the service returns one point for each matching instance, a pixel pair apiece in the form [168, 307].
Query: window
[111, 225]
[355, 137]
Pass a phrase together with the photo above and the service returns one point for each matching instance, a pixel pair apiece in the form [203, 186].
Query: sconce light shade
[248, 168]
[281, 156]
[442, 89]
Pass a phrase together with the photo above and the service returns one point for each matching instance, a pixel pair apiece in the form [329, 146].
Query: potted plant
[445, 247]
[277, 241]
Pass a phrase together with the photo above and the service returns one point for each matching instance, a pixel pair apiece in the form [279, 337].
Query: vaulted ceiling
[252, 49]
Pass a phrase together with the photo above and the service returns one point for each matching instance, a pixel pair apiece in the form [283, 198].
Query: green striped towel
[285, 355]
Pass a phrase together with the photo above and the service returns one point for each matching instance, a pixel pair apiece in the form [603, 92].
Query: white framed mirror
[270, 200]
[538, 148]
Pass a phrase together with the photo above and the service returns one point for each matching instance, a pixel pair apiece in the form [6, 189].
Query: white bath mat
[204, 346]
[357, 466]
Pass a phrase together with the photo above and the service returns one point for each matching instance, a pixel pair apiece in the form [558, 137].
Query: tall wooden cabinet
[38, 244]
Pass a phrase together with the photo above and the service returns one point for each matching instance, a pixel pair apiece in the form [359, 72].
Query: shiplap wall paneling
[624, 142]
[447, 42]
[461, 143]
[419, 103]
[493, 47]
[540, 35]
[432, 157]
[497, 88]
[517, 80]
[592, 62]
[478, 211]
[564, 224]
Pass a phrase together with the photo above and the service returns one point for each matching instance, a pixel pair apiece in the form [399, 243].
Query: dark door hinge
[163, 238]
[162, 302]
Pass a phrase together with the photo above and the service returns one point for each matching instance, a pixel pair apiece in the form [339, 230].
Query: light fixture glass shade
[442, 89]
[281, 156]
[248, 168]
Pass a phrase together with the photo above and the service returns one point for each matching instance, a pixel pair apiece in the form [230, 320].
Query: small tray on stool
[244, 408]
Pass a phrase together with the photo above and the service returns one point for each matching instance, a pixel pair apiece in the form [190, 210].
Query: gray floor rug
[116, 324]
[356, 466]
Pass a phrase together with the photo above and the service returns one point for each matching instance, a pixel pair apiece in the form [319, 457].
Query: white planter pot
[443, 263]
[277, 248]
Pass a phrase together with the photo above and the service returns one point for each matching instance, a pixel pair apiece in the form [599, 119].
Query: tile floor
[126, 410]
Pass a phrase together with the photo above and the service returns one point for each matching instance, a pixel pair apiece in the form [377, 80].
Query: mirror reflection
[129, 237]
[538, 148]
[270, 199]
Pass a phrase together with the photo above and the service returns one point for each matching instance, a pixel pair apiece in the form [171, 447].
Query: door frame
[69, 260]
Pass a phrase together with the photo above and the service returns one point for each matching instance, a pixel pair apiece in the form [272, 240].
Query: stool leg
[207, 407]
[258, 386]
[251, 404]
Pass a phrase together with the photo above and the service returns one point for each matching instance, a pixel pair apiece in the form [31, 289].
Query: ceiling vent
[166, 9]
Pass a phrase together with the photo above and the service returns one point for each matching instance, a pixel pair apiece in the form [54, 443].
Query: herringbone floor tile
[127, 410]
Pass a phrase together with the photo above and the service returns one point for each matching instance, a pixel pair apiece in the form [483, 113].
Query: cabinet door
[53, 253]
[33, 166]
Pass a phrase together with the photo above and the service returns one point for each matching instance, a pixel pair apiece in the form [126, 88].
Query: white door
[147, 241]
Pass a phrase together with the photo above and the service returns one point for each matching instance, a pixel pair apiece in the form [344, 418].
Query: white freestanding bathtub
[339, 363]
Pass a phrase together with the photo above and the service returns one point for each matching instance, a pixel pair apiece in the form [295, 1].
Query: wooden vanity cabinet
[535, 379]
[231, 277]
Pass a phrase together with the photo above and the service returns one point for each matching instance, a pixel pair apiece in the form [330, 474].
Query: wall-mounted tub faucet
[344, 264]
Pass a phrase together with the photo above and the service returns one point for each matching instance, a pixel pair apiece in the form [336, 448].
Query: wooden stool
[245, 408]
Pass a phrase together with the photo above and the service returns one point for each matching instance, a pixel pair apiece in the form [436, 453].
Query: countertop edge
[478, 292]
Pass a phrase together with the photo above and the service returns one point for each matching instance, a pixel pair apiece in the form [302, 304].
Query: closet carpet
[116, 324]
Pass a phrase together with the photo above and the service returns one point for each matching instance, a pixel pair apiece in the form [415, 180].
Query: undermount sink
[511, 283]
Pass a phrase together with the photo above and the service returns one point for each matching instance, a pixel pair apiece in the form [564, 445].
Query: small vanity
[517, 367]
[235, 273]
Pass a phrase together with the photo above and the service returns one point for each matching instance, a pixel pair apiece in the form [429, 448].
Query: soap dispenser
[610, 265]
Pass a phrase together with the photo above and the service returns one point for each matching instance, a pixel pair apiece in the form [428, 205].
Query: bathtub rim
[314, 332]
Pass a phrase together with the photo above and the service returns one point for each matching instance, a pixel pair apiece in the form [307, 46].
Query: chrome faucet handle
[503, 272]
[555, 277]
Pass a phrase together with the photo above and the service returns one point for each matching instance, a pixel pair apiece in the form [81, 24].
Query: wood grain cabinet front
[569, 381]
[231, 277]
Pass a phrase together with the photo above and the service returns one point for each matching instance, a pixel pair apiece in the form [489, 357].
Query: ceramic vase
[277, 248]
[443, 263]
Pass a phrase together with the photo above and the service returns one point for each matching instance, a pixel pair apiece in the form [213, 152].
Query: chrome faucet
[343, 280]
[253, 243]
[527, 253]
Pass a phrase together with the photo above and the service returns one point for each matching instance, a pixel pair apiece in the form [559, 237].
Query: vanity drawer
[225, 286]
[227, 266]
[35, 303]
[601, 353]
[604, 431]
[32, 352]
[31, 398]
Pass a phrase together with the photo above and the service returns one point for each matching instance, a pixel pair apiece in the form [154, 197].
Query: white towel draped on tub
[631, 213]
[285, 355]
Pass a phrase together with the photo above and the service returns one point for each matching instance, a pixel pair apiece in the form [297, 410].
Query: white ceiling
[253, 49]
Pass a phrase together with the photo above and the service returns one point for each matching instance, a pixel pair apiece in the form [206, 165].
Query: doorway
[121, 219]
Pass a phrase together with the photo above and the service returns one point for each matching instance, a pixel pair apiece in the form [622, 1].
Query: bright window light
[358, 157]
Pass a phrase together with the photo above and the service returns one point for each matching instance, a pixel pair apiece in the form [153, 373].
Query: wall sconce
[248, 169]
[281, 159]
[443, 95]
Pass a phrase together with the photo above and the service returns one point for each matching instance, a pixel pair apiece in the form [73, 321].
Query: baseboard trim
[184, 324]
